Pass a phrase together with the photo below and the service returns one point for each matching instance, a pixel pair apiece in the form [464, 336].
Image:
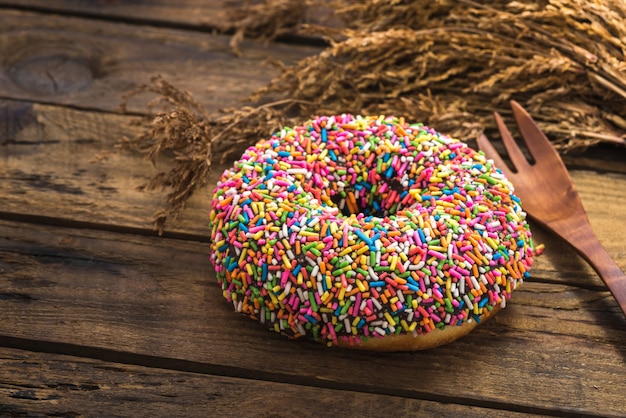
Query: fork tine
[516, 155]
[485, 145]
[538, 145]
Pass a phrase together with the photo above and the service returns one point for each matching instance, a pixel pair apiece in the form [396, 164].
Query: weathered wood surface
[157, 297]
[43, 62]
[200, 14]
[47, 171]
[121, 390]
[99, 316]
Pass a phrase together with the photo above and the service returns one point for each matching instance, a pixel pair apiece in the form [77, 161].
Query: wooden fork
[549, 197]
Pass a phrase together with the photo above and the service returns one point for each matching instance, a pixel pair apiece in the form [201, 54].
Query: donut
[369, 233]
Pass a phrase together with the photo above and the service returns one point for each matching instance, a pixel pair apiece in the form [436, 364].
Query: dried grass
[450, 64]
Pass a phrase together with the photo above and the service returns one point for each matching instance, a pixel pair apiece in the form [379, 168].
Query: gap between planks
[154, 298]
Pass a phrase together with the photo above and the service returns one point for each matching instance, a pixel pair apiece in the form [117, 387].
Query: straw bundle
[450, 64]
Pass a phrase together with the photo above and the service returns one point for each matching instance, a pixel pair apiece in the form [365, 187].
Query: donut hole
[354, 201]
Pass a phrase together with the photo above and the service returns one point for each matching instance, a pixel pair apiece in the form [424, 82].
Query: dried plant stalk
[450, 64]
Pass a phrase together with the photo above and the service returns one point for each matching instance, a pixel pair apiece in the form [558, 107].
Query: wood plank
[46, 171]
[157, 297]
[40, 384]
[201, 14]
[74, 62]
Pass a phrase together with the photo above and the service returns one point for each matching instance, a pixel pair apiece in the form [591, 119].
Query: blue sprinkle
[378, 283]
[421, 235]
[310, 319]
[364, 237]
[413, 287]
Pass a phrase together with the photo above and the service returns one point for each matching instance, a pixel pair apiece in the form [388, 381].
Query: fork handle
[581, 236]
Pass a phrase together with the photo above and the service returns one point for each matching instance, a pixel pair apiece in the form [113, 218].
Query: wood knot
[51, 72]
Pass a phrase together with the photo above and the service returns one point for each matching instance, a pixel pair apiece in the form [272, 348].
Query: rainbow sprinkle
[351, 227]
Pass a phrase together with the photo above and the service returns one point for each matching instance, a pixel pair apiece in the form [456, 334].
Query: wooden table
[99, 316]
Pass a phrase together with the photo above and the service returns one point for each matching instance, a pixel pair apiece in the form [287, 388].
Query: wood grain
[157, 297]
[41, 384]
[42, 61]
[47, 171]
[200, 14]
[99, 316]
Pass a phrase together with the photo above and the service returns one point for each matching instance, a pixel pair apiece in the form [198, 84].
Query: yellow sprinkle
[362, 250]
[273, 297]
[326, 297]
[345, 251]
[491, 243]
[389, 318]
[286, 261]
[405, 325]
[394, 262]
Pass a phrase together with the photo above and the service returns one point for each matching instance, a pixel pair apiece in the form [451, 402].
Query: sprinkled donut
[368, 232]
